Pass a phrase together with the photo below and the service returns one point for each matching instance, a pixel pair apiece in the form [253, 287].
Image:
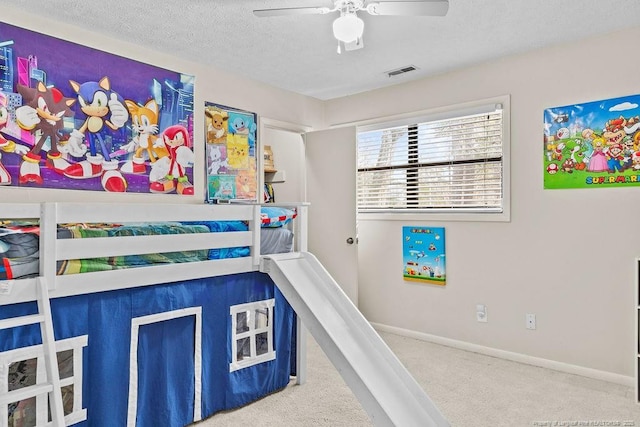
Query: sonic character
[104, 109]
[167, 170]
[6, 145]
[42, 113]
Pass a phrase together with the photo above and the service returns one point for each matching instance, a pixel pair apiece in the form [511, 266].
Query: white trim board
[508, 355]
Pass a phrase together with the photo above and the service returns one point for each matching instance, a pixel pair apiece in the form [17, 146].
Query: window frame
[252, 332]
[76, 345]
[442, 113]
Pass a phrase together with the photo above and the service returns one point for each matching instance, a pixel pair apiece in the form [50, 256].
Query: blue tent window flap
[160, 343]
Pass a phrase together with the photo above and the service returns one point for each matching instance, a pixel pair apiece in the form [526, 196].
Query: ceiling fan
[348, 27]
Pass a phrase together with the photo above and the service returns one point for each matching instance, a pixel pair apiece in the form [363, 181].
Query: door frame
[267, 123]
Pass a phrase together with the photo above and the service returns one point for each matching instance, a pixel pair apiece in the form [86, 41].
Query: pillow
[276, 217]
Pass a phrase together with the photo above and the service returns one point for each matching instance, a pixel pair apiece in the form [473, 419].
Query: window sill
[434, 216]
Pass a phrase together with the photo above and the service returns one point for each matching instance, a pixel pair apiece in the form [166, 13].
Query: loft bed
[139, 289]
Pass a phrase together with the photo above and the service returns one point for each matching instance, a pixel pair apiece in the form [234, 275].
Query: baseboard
[508, 355]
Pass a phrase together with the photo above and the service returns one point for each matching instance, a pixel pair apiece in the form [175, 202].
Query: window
[24, 367]
[446, 162]
[252, 334]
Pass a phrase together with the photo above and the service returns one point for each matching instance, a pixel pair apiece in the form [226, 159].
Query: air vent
[402, 70]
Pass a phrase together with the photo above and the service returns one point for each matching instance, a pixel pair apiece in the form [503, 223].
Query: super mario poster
[593, 145]
[78, 118]
[231, 154]
[423, 255]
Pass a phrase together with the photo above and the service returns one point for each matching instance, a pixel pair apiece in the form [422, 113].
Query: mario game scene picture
[423, 254]
[593, 145]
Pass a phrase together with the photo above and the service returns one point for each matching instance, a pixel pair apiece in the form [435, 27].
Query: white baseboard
[508, 355]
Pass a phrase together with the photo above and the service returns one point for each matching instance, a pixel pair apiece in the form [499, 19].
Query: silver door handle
[350, 240]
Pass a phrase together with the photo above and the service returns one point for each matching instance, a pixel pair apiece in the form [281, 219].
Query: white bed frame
[49, 285]
[53, 249]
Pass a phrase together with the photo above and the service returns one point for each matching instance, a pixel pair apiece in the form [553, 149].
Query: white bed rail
[52, 249]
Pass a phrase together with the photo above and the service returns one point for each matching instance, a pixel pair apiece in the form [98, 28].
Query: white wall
[288, 159]
[567, 255]
[237, 92]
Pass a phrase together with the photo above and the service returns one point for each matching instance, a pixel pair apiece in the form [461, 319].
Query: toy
[144, 122]
[42, 115]
[97, 100]
[167, 170]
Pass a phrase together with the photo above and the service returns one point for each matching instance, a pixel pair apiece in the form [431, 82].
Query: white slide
[384, 387]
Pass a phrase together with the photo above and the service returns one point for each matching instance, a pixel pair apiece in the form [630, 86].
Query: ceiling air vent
[399, 71]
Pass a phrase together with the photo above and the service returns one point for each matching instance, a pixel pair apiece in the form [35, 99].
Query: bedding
[275, 216]
[19, 250]
[276, 240]
[19, 243]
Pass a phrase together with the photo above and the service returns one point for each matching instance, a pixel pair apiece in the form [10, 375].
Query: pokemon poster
[231, 154]
[78, 118]
[423, 255]
[593, 145]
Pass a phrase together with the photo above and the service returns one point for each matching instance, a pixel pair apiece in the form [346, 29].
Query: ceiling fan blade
[291, 11]
[409, 8]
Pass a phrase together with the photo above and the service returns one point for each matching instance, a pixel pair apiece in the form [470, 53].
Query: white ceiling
[298, 53]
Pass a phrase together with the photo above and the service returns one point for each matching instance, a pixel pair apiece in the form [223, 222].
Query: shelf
[274, 177]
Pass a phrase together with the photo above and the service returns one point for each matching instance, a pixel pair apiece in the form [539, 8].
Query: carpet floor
[470, 389]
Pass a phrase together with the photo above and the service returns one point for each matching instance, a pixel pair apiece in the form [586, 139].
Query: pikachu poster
[231, 140]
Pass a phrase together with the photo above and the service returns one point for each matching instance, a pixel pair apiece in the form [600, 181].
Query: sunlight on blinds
[450, 164]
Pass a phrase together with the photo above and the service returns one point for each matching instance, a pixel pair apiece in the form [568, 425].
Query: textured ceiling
[298, 53]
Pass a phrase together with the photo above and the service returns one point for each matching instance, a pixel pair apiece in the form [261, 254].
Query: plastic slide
[384, 387]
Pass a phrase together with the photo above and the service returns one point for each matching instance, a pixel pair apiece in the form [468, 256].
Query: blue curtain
[165, 349]
[166, 384]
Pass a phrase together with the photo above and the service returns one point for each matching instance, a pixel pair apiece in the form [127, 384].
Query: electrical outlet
[531, 321]
[481, 313]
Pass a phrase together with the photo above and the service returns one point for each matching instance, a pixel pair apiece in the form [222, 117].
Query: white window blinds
[450, 164]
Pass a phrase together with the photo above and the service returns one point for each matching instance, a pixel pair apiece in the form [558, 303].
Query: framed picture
[592, 145]
[423, 255]
[83, 119]
[232, 165]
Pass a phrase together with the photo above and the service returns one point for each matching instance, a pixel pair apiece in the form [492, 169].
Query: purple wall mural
[74, 117]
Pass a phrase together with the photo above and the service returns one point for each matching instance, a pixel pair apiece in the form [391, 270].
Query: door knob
[350, 240]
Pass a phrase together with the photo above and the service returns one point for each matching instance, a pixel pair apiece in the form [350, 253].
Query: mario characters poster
[231, 154]
[592, 145]
[72, 117]
[423, 255]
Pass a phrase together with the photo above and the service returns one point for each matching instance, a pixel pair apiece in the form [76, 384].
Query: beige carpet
[471, 390]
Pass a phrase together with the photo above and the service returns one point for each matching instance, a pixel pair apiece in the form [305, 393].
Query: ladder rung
[25, 393]
[21, 321]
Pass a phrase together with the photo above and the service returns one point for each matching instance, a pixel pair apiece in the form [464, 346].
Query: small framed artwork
[423, 255]
[231, 140]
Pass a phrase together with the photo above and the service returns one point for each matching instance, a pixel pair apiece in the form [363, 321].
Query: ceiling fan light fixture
[348, 28]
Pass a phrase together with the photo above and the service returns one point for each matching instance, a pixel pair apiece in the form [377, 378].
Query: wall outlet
[481, 313]
[531, 321]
